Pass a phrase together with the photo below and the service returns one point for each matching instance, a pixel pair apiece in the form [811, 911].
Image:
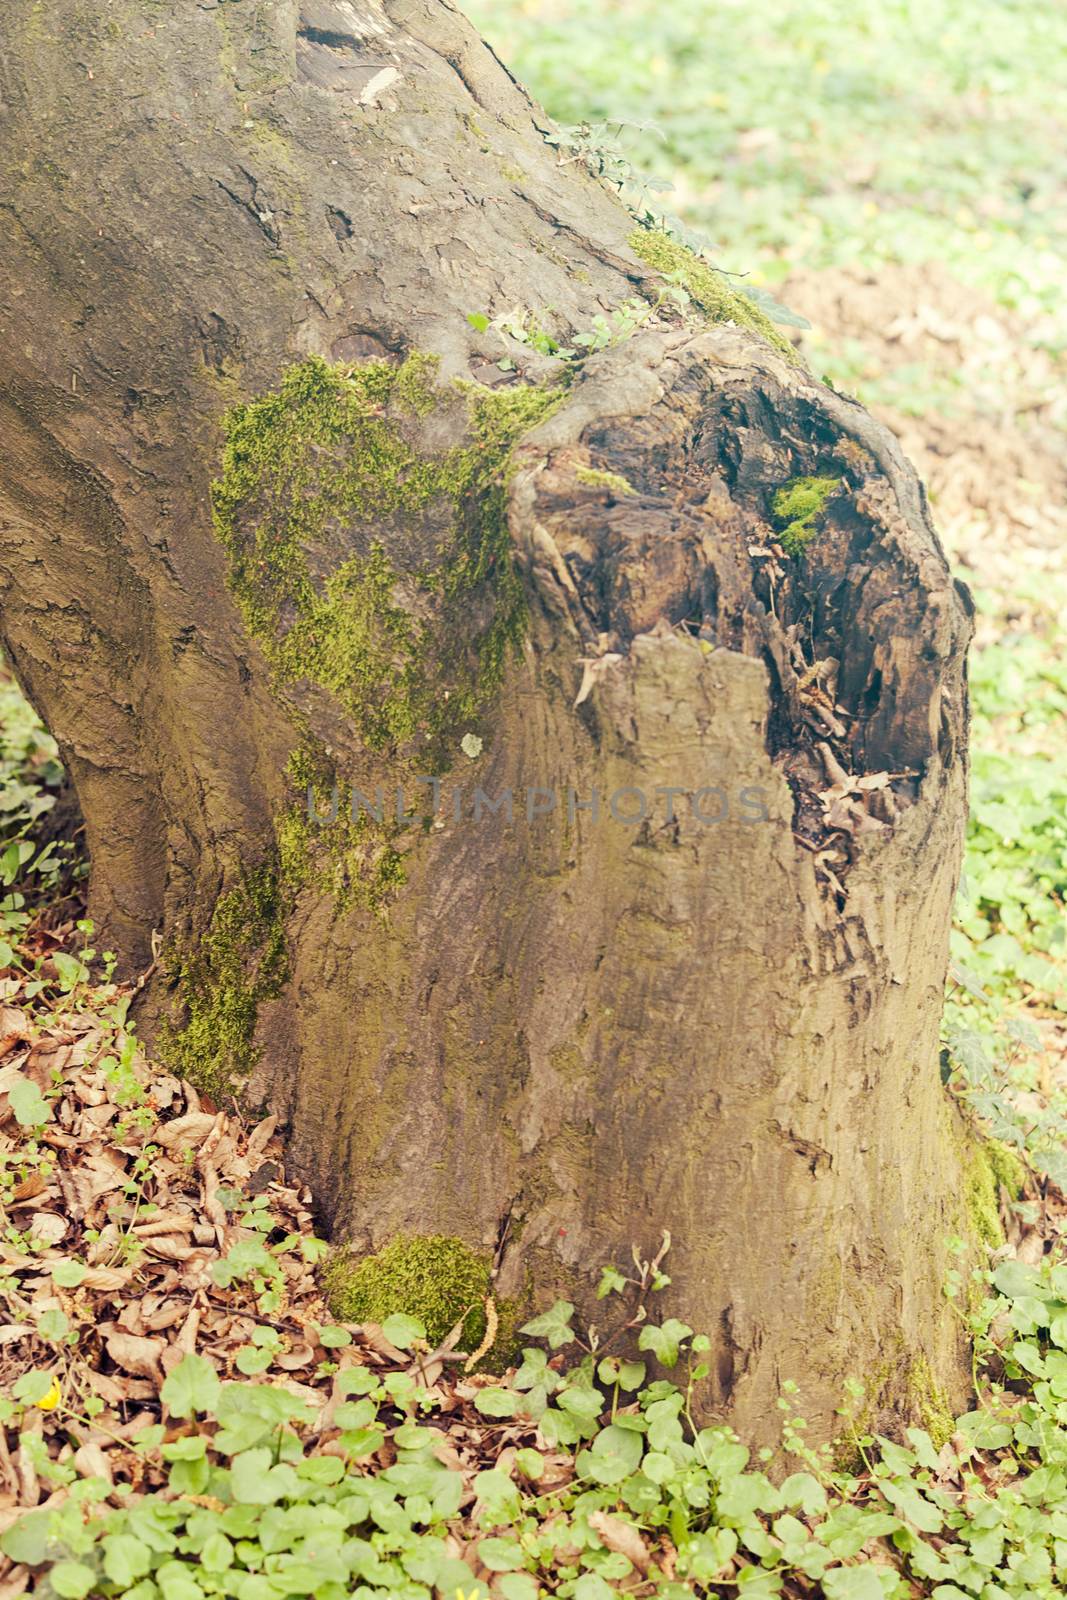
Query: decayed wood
[571, 1031]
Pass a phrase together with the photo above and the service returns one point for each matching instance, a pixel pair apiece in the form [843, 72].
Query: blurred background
[896, 172]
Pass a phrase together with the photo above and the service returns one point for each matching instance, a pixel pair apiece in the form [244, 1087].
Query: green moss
[267, 140]
[988, 1165]
[330, 457]
[412, 656]
[479, 132]
[900, 1387]
[354, 860]
[435, 1278]
[930, 1402]
[796, 506]
[709, 288]
[861, 1411]
[1006, 1167]
[351, 639]
[414, 382]
[613, 482]
[221, 979]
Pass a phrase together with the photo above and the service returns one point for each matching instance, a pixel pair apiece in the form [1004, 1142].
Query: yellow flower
[51, 1398]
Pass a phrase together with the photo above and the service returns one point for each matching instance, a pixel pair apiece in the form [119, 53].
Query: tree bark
[555, 1034]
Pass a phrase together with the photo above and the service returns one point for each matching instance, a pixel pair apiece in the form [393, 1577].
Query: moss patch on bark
[220, 980]
[930, 1401]
[796, 505]
[352, 858]
[612, 482]
[709, 288]
[413, 654]
[332, 461]
[990, 1165]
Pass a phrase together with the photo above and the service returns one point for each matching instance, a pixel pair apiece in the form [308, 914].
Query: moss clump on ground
[597, 478]
[796, 506]
[433, 1277]
[707, 286]
[221, 980]
[332, 457]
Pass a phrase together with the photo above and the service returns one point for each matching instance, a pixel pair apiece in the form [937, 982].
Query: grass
[825, 131]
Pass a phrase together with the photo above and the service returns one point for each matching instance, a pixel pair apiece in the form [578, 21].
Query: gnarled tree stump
[684, 602]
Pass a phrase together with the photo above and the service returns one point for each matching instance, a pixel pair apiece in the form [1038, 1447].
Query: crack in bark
[264, 220]
[325, 36]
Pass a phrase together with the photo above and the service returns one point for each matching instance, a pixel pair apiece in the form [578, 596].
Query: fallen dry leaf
[133, 1353]
[623, 1538]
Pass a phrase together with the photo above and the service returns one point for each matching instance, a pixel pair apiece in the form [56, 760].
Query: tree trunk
[241, 242]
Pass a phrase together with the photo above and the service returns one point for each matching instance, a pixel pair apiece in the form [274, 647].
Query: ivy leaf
[616, 1453]
[707, 1553]
[1053, 1164]
[403, 1330]
[333, 1338]
[72, 1579]
[1016, 1280]
[591, 1586]
[186, 1449]
[664, 1342]
[32, 1387]
[740, 1498]
[53, 1324]
[256, 1483]
[249, 1360]
[923, 1446]
[659, 1467]
[905, 1498]
[191, 1388]
[217, 1554]
[26, 1541]
[68, 1274]
[71, 970]
[125, 1559]
[853, 1583]
[517, 1586]
[985, 1432]
[578, 1401]
[498, 1497]
[553, 1326]
[803, 1490]
[530, 1462]
[29, 1104]
[500, 1555]
[495, 1402]
[772, 308]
